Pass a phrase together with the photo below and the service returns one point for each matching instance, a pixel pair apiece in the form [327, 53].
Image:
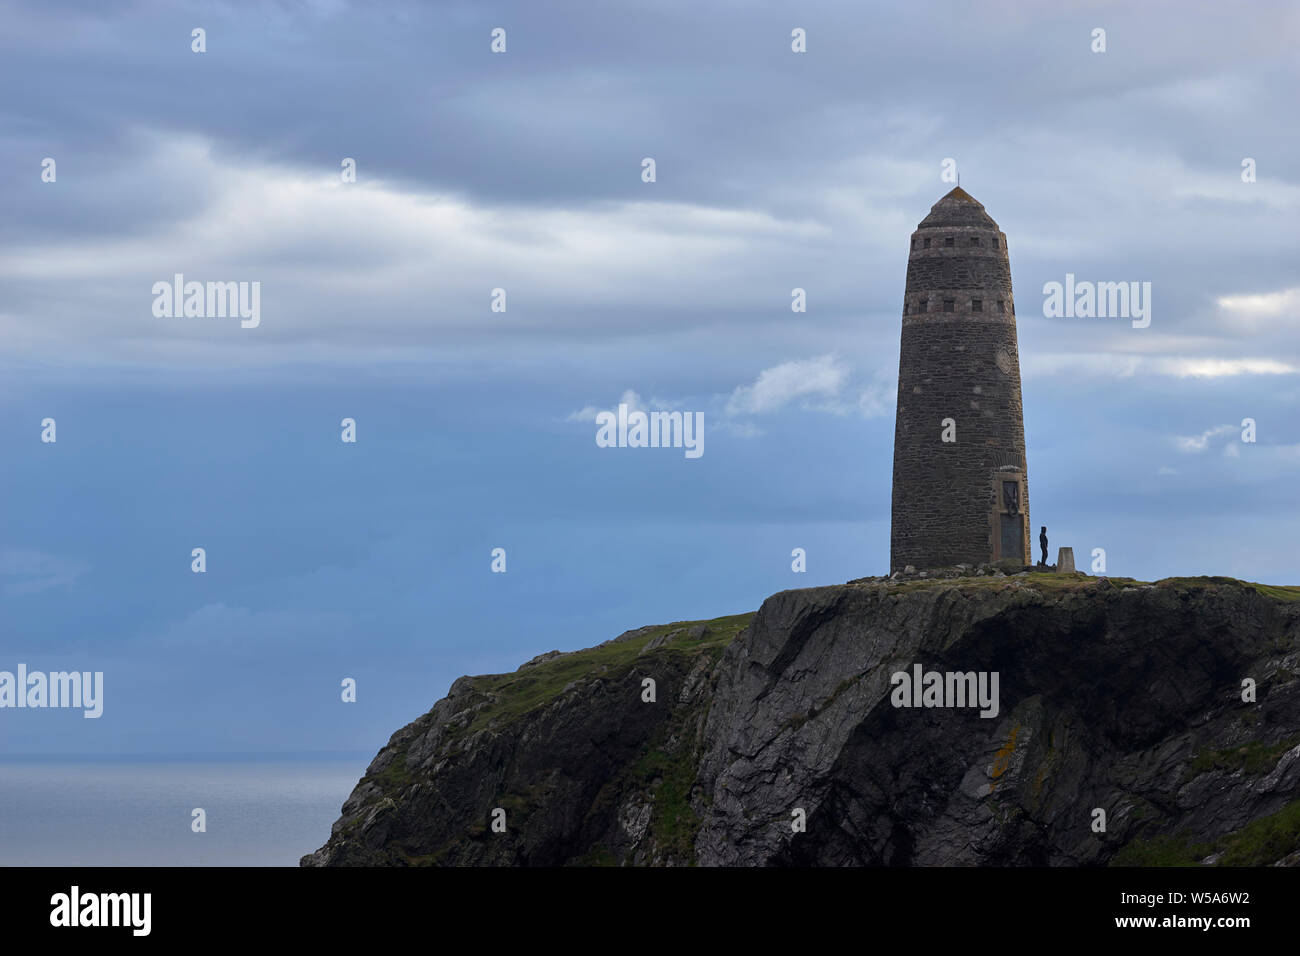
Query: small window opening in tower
[927, 244]
[949, 241]
[1002, 306]
[950, 305]
[974, 240]
[977, 305]
[921, 304]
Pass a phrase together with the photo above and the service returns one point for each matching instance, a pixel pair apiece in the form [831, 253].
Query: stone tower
[965, 499]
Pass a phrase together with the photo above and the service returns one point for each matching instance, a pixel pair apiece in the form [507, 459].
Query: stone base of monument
[1006, 568]
[1065, 560]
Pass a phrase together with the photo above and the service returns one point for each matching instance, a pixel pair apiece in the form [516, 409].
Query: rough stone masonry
[961, 491]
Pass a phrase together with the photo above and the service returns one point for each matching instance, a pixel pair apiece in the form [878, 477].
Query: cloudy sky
[522, 171]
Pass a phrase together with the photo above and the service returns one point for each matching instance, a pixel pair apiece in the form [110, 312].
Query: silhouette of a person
[1042, 543]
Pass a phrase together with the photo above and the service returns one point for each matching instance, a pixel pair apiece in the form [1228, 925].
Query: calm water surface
[137, 811]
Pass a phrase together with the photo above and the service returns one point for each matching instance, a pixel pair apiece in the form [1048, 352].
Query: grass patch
[1279, 592]
[1038, 580]
[1166, 850]
[673, 823]
[665, 774]
[435, 858]
[1201, 581]
[516, 694]
[393, 777]
[1259, 843]
[1264, 841]
[1254, 758]
[1289, 593]
[598, 855]
[1056, 581]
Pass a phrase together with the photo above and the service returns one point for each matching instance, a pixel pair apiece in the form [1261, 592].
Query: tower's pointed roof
[958, 208]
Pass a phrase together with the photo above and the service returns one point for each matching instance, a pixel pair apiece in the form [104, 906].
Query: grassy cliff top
[518, 692]
[515, 694]
[1056, 581]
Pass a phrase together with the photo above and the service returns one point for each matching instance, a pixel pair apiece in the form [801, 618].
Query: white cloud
[1197, 443]
[1052, 364]
[30, 572]
[629, 398]
[588, 414]
[1221, 367]
[1258, 308]
[777, 386]
[1127, 365]
[878, 398]
[820, 384]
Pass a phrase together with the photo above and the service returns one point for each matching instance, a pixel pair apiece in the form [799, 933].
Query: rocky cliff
[776, 738]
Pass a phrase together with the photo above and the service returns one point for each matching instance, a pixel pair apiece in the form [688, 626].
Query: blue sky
[522, 171]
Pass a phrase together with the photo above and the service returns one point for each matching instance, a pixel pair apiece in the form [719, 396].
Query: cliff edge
[1117, 703]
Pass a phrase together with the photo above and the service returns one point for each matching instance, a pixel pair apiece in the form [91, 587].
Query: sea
[258, 809]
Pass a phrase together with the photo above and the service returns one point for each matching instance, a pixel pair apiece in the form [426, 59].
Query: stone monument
[961, 491]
